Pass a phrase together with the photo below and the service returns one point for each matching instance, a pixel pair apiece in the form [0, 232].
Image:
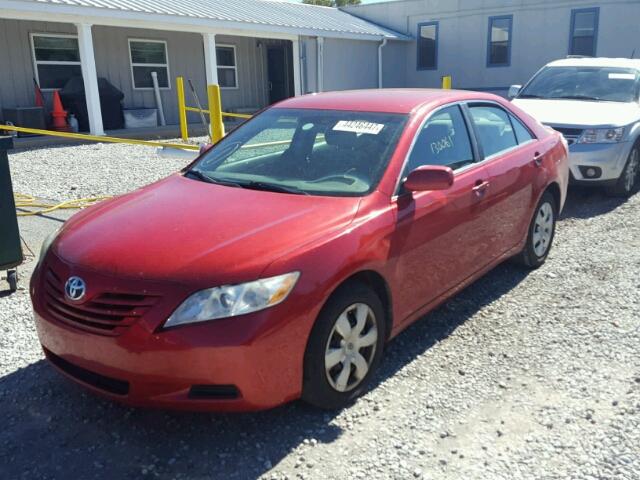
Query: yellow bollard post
[215, 113]
[446, 82]
[182, 109]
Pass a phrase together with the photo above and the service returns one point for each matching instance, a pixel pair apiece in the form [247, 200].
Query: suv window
[443, 140]
[494, 130]
[523, 135]
[610, 84]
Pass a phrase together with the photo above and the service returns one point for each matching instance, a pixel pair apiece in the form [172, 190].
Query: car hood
[190, 232]
[580, 113]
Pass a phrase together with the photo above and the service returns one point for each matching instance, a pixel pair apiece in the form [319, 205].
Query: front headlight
[46, 245]
[233, 300]
[602, 135]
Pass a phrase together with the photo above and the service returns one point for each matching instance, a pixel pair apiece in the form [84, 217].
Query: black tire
[12, 279]
[317, 389]
[628, 180]
[531, 256]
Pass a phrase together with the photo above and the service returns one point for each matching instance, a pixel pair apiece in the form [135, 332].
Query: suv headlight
[602, 135]
[233, 300]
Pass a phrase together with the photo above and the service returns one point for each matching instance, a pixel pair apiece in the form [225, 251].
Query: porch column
[90, 78]
[320, 68]
[297, 81]
[210, 58]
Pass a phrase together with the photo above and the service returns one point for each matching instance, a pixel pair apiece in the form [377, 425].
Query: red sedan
[279, 263]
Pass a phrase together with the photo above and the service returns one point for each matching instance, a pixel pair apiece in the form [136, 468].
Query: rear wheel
[626, 184]
[344, 348]
[541, 232]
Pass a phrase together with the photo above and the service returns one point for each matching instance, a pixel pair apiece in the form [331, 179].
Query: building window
[499, 47]
[56, 59]
[584, 32]
[148, 56]
[227, 67]
[428, 46]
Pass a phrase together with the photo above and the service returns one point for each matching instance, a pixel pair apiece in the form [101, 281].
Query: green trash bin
[10, 247]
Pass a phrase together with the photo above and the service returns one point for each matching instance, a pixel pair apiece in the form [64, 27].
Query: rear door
[510, 152]
[441, 237]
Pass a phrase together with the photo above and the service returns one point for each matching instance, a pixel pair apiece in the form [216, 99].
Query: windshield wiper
[272, 187]
[530, 95]
[577, 97]
[206, 178]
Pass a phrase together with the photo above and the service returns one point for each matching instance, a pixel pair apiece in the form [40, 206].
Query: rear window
[494, 129]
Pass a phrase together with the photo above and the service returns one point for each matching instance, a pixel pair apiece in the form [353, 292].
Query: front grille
[106, 313]
[102, 382]
[571, 134]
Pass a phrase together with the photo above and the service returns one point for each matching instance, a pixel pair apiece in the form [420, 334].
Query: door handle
[537, 159]
[480, 187]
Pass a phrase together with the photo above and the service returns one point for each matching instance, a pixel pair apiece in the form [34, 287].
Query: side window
[494, 130]
[443, 140]
[522, 133]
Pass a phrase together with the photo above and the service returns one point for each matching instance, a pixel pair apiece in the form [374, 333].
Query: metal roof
[241, 14]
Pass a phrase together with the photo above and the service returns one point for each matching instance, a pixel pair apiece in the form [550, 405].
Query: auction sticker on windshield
[358, 126]
[622, 76]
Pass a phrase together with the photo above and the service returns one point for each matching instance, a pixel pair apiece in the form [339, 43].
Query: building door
[277, 73]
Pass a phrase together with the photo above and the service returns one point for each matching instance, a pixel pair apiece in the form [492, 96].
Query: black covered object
[73, 100]
[10, 248]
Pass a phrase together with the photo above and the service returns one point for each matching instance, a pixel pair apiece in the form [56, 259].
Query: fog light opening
[591, 172]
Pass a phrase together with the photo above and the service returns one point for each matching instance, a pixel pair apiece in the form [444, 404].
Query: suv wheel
[626, 184]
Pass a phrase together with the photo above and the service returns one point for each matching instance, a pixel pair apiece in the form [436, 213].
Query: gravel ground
[522, 375]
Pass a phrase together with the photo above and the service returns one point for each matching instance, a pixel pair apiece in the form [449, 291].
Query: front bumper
[597, 164]
[255, 360]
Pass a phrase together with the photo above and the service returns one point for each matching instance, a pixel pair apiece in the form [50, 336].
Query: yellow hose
[27, 201]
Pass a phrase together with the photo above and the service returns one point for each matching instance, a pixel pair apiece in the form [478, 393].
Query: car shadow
[589, 202]
[56, 429]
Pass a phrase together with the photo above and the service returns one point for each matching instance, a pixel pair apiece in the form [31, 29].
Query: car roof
[386, 100]
[596, 62]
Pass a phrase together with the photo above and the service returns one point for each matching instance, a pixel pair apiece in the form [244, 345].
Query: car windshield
[304, 151]
[584, 83]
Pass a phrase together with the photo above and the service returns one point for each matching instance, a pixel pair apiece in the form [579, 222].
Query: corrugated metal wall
[186, 58]
[16, 64]
[350, 64]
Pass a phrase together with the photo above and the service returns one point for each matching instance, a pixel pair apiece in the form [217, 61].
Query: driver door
[441, 237]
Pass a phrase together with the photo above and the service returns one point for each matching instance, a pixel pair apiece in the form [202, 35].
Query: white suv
[594, 103]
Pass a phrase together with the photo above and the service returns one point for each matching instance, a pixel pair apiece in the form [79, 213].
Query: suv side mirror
[514, 90]
[429, 177]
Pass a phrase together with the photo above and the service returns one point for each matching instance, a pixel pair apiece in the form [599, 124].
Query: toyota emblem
[75, 288]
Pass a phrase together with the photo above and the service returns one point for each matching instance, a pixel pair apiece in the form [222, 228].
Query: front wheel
[541, 232]
[12, 279]
[626, 183]
[344, 348]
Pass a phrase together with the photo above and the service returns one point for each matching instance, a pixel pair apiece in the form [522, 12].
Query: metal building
[491, 44]
[257, 51]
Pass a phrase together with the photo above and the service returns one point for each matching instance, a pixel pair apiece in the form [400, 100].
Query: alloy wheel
[351, 347]
[543, 229]
[631, 172]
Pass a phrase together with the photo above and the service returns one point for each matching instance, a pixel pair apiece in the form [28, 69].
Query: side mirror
[514, 90]
[429, 177]
[205, 147]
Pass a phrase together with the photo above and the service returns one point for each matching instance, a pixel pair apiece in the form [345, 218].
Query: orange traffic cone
[58, 115]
